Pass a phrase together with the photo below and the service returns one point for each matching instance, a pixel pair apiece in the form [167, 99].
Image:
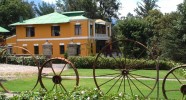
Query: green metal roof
[52, 18]
[3, 30]
[78, 18]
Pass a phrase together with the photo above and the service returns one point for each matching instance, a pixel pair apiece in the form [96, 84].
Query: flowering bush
[78, 94]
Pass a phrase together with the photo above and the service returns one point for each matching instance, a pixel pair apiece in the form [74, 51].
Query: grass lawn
[28, 83]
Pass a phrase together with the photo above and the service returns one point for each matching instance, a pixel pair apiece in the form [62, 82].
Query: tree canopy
[103, 9]
[12, 10]
[44, 8]
[145, 6]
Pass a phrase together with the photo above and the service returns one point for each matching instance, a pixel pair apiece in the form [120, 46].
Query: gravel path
[8, 71]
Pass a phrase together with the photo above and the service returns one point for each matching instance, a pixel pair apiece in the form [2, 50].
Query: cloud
[50, 1]
[166, 6]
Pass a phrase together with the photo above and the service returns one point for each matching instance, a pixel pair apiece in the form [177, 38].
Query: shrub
[78, 94]
[109, 62]
[22, 60]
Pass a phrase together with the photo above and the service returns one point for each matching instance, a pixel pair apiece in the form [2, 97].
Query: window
[78, 49]
[24, 51]
[10, 49]
[30, 32]
[36, 49]
[108, 30]
[62, 49]
[91, 46]
[100, 29]
[55, 30]
[91, 30]
[77, 29]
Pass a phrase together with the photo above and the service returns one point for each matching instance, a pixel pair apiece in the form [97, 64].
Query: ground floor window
[62, 49]
[10, 51]
[36, 49]
[91, 47]
[99, 45]
[78, 49]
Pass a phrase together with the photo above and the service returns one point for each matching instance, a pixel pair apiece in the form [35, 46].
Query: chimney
[20, 19]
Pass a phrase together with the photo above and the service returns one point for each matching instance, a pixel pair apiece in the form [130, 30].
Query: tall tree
[44, 8]
[12, 10]
[104, 9]
[144, 7]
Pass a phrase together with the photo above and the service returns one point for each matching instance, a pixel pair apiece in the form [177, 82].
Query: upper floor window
[55, 30]
[77, 29]
[30, 31]
[100, 29]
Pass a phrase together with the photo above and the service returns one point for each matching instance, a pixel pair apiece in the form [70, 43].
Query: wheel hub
[125, 72]
[183, 89]
[57, 79]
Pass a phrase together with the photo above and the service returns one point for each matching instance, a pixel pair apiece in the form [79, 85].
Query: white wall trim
[24, 45]
[36, 44]
[11, 37]
[61, 44]
[49, 39]
[11, 43]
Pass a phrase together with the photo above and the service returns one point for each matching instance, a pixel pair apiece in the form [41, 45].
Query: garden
[87, 89]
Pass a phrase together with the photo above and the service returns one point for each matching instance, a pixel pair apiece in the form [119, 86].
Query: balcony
[102, 36]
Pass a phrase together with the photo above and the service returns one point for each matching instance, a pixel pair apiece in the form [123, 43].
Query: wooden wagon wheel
[59, 77]
[174, 83]
[21, 51]
[130, 71]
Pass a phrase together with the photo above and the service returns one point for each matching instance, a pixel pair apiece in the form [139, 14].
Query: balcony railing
[102, 36]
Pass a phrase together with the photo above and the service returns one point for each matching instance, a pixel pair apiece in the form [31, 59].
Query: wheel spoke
[113, 84]
[109, 80]
[53, 86]
[52, 68]
[116, 59]
[138, 65]
[136, 87]
[124, 84]
[176, 78]
[142, 76]
[63, 87]
[130, 85]
[62, 69]
[107, 75]
[141, 82]
[171, 90]
[120, 85]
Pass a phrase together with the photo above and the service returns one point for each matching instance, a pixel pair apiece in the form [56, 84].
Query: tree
[108, 9]
[44, 8]
[144, 7]
[132, 28]
[103, 9]
[12, 10]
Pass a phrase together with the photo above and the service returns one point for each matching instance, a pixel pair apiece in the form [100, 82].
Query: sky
[166, 6]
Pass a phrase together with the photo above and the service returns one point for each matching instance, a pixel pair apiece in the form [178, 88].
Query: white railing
[102, 36]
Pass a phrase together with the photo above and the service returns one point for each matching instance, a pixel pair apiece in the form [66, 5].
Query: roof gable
[52, 18]
[3, 30]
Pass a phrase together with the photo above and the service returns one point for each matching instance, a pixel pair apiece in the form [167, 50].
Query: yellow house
[60, 29]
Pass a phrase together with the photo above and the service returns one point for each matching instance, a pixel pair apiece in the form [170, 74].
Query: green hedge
[107, 62]
[88, 61]
[22, 60]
